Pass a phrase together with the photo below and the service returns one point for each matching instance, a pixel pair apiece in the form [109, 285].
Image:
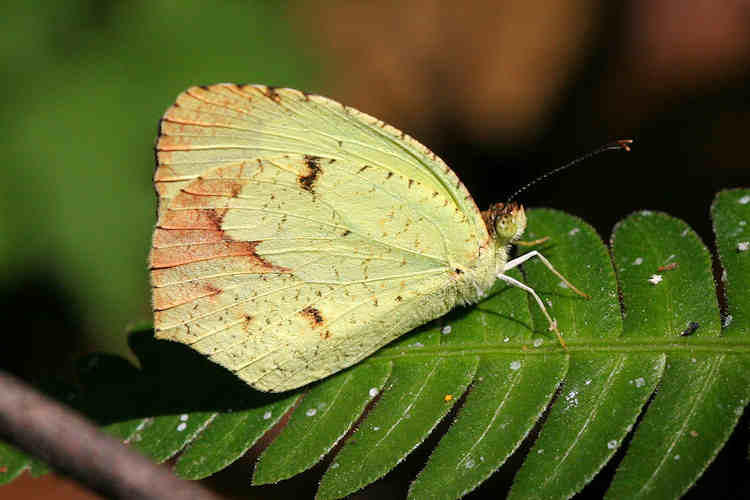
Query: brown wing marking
[313, 315]
[313, 171]
[189, 235]
[168, 297]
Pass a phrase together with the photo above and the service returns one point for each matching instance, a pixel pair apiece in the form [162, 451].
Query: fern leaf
[500, 362]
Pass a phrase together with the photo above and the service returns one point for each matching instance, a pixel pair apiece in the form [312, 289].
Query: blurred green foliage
[84, 85]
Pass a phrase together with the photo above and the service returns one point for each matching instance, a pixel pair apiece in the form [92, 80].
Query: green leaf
[232, 433]
[327, 413]
[703, 393]
[12, 463]
[500, 361]
[662, 303]
[579, 254]
[505, 403]
[731, 215]
[159, 438]
[413, 402]
[597, 407]
[684, 427]
[604, 392]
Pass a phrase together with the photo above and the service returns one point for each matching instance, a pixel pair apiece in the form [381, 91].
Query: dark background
[503, 91]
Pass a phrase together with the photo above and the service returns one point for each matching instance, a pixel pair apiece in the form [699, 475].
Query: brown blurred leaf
[493, 68]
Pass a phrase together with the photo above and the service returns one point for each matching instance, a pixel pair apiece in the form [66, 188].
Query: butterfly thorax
[505, 224]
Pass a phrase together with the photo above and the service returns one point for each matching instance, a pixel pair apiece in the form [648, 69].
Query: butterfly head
[505, 222]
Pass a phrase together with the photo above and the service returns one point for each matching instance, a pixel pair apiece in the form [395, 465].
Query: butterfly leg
[523, 258]
[552, 322]
[532, 243]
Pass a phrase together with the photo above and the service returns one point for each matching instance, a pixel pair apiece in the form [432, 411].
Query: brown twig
[72, 445]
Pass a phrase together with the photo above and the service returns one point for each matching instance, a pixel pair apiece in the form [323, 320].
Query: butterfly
[296, 235]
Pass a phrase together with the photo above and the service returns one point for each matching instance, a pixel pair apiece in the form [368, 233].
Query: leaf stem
[716, 345]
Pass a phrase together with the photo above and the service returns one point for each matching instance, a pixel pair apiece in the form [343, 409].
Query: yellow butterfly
[297, 235]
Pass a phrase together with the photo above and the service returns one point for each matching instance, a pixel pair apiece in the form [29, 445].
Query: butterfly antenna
[621, 144]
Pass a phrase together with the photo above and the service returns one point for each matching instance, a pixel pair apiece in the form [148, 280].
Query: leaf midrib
[658, 345]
